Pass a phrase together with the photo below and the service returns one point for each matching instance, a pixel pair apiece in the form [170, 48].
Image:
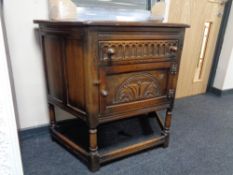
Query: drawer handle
[173, 48]
[110, 52]
[104, 93]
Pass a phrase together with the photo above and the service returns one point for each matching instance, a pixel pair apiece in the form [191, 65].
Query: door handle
[220, 14]
[96, 82]
[104, 93]
[173, 49]
[110, 53]
[221, 2]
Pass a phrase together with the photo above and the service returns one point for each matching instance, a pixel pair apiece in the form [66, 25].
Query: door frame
[218, 48]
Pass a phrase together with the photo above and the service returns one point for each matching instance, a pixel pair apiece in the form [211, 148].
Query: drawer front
[123, 52]
[123, 90]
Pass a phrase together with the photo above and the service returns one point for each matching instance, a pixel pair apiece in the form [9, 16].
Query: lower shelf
[115, 140]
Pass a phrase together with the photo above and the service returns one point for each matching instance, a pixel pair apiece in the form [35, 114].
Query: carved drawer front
[129, 89]
[136, 50]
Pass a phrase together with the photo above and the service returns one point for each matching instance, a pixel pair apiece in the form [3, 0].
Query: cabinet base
[67, 133]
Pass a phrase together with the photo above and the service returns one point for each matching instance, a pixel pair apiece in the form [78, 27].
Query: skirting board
[220, 92]
[33, 132]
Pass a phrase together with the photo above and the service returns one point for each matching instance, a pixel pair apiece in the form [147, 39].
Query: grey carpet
[201, 144]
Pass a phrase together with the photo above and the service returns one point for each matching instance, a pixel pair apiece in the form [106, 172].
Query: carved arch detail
[137, 87]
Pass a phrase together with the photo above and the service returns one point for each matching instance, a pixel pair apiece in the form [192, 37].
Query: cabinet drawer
[137, 51]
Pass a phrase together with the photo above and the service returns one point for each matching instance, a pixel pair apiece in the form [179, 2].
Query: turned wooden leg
[167, 125]
[94, 159]
[52, 116]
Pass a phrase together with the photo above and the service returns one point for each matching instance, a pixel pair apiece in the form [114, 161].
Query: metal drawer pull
[173, 48]
[104, 93]
[110, 52]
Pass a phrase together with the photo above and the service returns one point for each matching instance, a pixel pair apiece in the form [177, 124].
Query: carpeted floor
[201, 144]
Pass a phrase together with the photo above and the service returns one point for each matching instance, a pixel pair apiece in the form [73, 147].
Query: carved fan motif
[138, 87]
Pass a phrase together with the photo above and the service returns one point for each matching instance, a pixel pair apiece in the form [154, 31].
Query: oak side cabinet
[106, 71]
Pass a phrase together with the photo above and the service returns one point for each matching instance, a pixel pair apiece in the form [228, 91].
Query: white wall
[27, 63]
[10, 158]
[224, 75]
[228, 84]
[27, 60]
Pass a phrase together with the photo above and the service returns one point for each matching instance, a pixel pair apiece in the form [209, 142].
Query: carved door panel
[126, 91]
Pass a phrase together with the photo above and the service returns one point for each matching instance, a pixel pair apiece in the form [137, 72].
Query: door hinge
[173, 69]
[171, 94]
[96, 82]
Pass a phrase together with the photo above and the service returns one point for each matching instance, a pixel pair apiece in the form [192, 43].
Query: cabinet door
[204, 18]
[137, 88]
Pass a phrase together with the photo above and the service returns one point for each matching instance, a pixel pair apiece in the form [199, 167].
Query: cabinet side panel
[53, 64]
[75, 73]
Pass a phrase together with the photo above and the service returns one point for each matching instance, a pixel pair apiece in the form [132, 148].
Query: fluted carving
[129, 50]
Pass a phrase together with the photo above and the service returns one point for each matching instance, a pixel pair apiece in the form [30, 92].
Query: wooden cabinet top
[148, 23]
